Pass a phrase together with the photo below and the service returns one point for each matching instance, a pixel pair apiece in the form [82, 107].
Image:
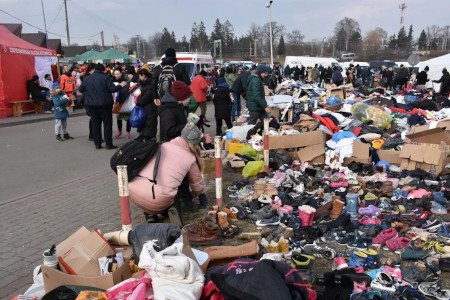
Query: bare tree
[277, 31]
[343, 32]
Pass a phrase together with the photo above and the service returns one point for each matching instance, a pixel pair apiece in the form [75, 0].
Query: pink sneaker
[397, 243]
[359, 287]
[385, 236]
[286, 209]
[128, 134]
[339, 263]
[117, 134]
[359, 269]
[393, 271]
[370, 221]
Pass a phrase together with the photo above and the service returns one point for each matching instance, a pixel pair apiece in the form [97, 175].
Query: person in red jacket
[67, 84]
[199, 86]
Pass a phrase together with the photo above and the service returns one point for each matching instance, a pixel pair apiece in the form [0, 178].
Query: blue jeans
[236, 107]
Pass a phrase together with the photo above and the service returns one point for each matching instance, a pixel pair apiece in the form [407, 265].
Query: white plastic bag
[37, 288]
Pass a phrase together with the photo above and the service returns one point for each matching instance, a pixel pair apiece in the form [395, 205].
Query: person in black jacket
[273, 80]
[178, 69]
[146, 100]
[238, 88]
[98, 89]
[445, 82]
[122, 96]
[422, 78]
[172, 114]
[36, 91]
[222, 105]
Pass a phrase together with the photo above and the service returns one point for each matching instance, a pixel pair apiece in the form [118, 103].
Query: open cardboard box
[360, 153]
[391, 156]
[336, 92]
[307, 146]
[432, 125]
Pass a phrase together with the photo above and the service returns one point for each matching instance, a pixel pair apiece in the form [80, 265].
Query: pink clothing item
[418, 194]
[199, 86]
[175, 163]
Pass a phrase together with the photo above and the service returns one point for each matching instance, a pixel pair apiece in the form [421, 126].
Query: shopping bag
[128, 105]
[138, 117]
[116, 108]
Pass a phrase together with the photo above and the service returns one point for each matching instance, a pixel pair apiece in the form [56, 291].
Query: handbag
[138, 117]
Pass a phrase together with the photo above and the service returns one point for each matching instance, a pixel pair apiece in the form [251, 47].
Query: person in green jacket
[256, 102]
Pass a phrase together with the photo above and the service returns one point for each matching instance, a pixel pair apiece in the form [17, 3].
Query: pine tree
[281, 47]
[402, 39]
[422, 42]
[410, 37]
[216, 34]
[202, 37]
[392, 42]
[194, 37]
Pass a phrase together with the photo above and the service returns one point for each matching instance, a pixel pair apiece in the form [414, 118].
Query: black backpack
[135, 155]
[166, 79]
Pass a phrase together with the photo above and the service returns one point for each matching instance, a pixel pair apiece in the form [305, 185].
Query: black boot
[58, 137]
[67, 136]
[203, 201]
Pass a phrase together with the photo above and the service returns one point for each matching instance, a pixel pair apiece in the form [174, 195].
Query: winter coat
[172, 118]
[337, 76]
[315, 74]
[445, 83]
[35, 90]
[178, 69]
[67, 83]
[422, 78]
[176, 161]
[199, 86]
[256, 101]
[272, 82]
[230, 78]
[60, 101]
[239, 85]
[287, 71]
[222, 103]
[146, 100]
[403, 73]
[98, 89]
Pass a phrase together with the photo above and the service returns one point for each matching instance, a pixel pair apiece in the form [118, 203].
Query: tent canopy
[111, 55]
[19, 61]
[85, 56]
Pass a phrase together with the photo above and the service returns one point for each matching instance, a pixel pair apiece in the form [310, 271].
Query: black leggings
[219, 124]
[119, 125]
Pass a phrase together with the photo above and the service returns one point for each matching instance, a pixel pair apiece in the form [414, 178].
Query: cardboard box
[336, 92]
[79, 254]
[307, 146]
[435, 136]
[430, 159]
[391, 156]
[440, 124]
[334, 107]
[360, 153]
[54, 278]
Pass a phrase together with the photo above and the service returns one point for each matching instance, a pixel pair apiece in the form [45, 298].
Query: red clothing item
[67, 84]
[327, 122]
[414, 111]
[199, 86]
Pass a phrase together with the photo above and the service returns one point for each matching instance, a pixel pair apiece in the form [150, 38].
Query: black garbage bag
[68, 292]
[164, 236]
[279, 157]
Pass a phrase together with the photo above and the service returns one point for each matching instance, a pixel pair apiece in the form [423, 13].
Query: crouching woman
[178, 158]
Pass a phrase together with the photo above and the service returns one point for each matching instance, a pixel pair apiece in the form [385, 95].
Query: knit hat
[180, 90]
[191, 134]
[261, 69]
[170, 52]
[130, 70]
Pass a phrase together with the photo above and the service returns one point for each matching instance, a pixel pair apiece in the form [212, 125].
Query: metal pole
[221, 59]
[266, 145]
[271, 42]
[43, 14]
[67, 23]
[103, 39]
[255, 48]
[122, 178]
[218, 169]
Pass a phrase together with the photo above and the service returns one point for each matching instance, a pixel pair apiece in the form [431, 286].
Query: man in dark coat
[256, 102]
[222, 105]
[98, 89]
[445, 82]
[172, 115]
[422, 78]
[35, 89]
[238, 88]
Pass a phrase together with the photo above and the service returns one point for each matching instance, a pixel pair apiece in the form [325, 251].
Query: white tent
[436, 65]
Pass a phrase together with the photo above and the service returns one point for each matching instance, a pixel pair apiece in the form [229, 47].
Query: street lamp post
[269, 6]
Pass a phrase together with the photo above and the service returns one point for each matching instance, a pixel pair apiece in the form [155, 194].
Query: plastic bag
[138, 117]
[366, 113]
[37, 288]
[252, 168]
[248, 150]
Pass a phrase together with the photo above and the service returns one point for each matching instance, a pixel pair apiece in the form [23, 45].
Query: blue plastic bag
[138, 117]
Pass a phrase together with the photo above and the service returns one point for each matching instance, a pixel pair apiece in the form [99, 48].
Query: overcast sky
[315, 18]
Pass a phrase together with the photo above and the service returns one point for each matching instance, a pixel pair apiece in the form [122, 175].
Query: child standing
[60, 101]
[222, 105]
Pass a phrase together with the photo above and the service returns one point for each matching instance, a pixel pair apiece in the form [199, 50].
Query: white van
[348, 56]
[195, 62]
[308, 61]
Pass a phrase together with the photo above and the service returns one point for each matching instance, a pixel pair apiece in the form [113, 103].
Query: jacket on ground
[256, 101]
[98, 89]
[175, 163]
[199, 86]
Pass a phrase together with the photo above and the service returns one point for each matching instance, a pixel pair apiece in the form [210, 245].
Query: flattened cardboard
[391, 156]
[360, 153]
[431, 136]
[297, 140]
[429, 159]
[441, 124]
[309, 153]
[54, 278]
[79, 254]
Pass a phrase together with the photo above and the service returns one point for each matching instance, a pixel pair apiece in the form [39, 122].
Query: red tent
[17, 65]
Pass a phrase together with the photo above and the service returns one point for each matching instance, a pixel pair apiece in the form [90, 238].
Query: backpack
[166, 79]
[135, 155]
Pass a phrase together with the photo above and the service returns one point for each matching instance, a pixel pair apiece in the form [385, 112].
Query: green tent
[111, 55]
[86, 56]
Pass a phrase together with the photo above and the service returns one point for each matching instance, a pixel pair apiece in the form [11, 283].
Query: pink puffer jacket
[175, 163]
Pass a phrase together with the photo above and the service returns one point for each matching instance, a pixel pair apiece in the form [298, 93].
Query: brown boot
[273, 247]
[222, 220]
[324, 210]
[338, 205]
[222, 252]
[387, 188]
[283, 245]
[204, 232]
